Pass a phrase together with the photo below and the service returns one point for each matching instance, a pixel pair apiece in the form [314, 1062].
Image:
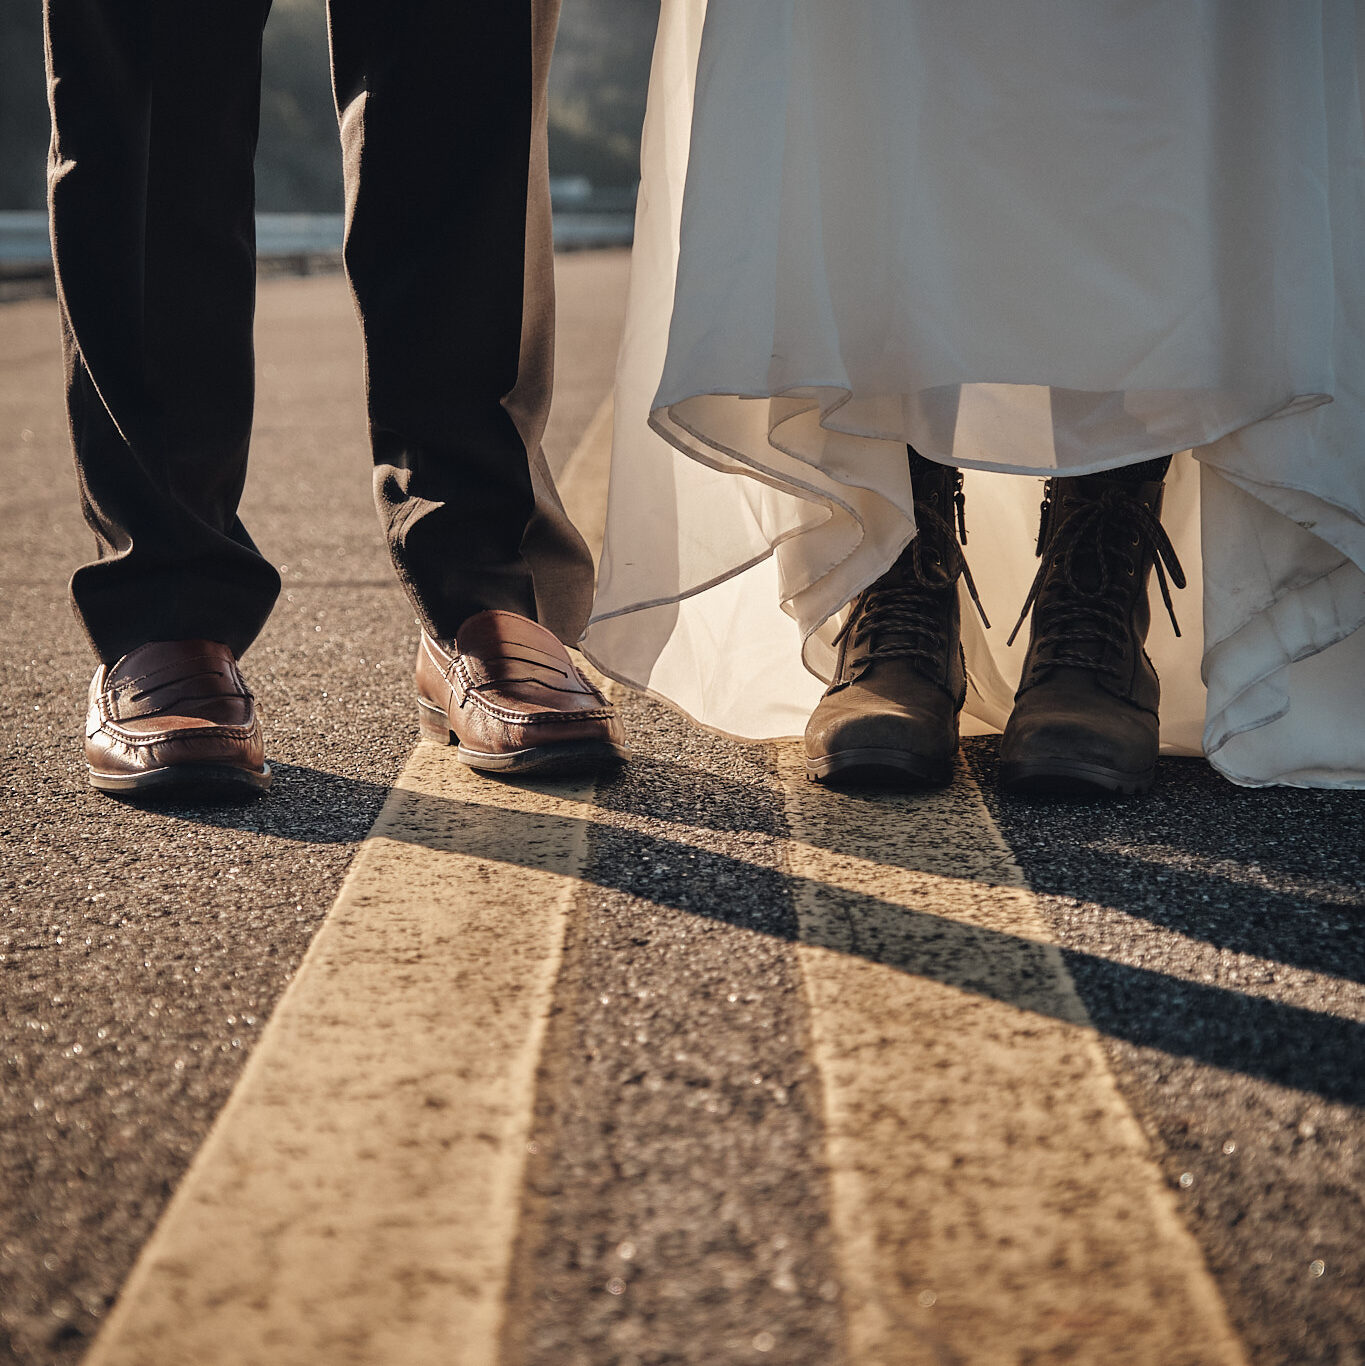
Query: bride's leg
[1085, 715]
[890, 716]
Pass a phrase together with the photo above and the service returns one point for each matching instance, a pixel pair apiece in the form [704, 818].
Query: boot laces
[903, 619]
[1098, 551]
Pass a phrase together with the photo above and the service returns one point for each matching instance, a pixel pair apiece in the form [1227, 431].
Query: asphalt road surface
[701, 1065]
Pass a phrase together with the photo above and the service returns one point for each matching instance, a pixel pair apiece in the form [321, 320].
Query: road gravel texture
[677, 1205]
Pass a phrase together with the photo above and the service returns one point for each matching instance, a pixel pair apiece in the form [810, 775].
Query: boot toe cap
[1086, 735]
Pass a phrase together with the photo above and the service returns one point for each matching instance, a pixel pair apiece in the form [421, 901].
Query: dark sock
[920, 466]
[1145, 473]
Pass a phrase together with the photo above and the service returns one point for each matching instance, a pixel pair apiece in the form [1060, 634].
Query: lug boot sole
[569, 759]
[1071, 778]
[894, 768]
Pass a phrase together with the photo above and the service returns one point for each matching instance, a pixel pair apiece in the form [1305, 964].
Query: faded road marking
[994, 1199]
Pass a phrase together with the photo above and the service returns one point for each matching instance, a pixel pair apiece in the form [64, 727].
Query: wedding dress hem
[670, 414]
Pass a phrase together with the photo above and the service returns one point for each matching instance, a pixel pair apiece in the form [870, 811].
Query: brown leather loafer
[174, 718]
[507, 692]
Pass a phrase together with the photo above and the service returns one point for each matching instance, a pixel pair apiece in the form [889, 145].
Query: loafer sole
[1071, 778]
[895, 768]
[571, 758]
[204, 781]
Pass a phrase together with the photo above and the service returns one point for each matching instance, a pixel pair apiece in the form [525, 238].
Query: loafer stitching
[524, 718]
[446, 666]
[128, 737]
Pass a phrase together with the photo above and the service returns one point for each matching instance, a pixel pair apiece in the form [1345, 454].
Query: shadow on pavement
[1238, 1031]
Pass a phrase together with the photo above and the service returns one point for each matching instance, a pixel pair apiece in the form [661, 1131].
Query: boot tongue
[1085, 555]
[1087, 567]
[901, 574]
[932, 548]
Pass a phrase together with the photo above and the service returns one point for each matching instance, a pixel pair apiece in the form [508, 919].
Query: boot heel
[433, 723]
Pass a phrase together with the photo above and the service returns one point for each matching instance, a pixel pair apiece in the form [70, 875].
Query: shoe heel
[433, 723]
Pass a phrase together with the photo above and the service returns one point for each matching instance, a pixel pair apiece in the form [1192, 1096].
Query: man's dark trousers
[155, 108]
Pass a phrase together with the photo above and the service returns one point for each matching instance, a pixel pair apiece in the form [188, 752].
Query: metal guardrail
[582, 216]
[310, 244]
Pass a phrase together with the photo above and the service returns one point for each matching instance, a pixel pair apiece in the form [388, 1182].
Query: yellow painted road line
[357, 1199]
[995, 1202]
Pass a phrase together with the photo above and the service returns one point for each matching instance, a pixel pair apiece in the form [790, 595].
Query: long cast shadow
[1240, 1032]
[1160, 860]
[1274, 873]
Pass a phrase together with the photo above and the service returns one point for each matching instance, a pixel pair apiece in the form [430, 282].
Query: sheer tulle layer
[1077, 257]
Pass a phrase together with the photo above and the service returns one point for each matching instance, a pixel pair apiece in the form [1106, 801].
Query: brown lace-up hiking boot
[1085, 715]
[890, 716]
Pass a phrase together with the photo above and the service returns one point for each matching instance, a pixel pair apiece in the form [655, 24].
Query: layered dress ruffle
[1028, 237]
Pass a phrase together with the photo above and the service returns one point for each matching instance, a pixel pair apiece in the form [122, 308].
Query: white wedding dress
[1028, 237]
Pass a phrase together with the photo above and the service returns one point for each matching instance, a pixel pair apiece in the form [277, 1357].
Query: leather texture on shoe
[174, 714]
[508, 692]
[891, 715]
[1085, 714]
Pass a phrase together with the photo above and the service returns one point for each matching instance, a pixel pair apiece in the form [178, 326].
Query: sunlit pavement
[703, 1064]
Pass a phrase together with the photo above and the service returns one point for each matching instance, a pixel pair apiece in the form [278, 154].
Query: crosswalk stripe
[995, 1202]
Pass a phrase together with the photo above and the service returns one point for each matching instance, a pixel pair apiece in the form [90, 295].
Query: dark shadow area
[307, 805]
[1275, 873]
[1147, 857]
[1230, 1029]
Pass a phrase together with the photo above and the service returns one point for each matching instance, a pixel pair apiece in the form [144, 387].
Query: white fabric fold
[1028, 237]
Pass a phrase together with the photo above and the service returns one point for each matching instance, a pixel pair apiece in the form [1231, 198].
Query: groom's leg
[154, 116]
[442, 110]
[154, 112]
